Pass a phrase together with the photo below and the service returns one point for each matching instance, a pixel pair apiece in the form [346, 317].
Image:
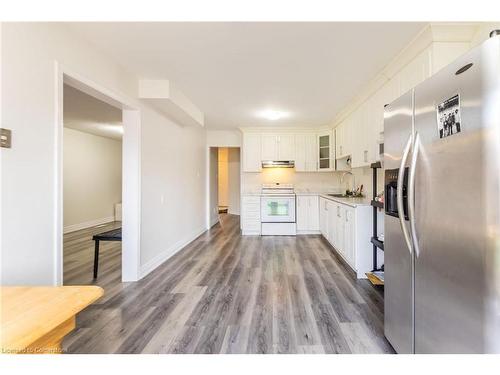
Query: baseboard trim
[152, 264]
[88, 224]
[250, 233]
[302, 232]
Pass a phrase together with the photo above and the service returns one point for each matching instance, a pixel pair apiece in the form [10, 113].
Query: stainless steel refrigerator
[442, 210]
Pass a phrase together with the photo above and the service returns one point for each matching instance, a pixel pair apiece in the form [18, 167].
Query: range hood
[278, 164]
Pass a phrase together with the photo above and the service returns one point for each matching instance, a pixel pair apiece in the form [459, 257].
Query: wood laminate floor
[227, 293]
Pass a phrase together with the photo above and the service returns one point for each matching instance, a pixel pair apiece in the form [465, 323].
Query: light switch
[5, 137]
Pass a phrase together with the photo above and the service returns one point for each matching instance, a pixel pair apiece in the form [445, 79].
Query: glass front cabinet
[326, 151]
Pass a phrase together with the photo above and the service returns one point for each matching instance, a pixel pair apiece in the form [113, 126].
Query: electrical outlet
[5, 138]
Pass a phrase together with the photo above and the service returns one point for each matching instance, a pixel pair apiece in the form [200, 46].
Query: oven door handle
[399, 194]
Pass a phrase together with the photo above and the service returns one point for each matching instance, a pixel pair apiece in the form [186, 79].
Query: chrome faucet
[353, 179]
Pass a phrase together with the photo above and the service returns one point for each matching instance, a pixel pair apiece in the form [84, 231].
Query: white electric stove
[278, 210]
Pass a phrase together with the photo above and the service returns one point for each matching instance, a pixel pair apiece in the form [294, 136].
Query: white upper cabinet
[326, 151]
[358, 134]
[252, 161]
[286, 147]
[345, 135]
[339, 140]
[306, 159]
[417, 71]
[278, 147]
[269, 147]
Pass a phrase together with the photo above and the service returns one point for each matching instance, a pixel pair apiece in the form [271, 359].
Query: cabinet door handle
[366, 156]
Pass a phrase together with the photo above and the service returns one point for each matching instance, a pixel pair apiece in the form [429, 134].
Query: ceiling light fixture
[273, 115]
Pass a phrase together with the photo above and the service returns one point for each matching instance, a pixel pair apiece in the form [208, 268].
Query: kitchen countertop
[314, 192]
[297, 192]
[353, 202]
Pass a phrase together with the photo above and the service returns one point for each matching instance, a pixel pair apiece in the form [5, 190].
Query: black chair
[111, 235]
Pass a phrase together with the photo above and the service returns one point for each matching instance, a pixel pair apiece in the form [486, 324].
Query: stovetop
[277, 189]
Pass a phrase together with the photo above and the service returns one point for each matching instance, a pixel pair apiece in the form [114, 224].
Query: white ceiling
[90, 115]
[233, 71]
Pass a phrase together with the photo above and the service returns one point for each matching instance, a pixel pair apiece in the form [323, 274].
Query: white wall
[224, 138]
[233, 177]
[173, 157]
[173, 187]
[92, 173]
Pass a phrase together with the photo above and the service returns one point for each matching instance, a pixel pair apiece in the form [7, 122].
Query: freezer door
[454, 171]
[398, 313]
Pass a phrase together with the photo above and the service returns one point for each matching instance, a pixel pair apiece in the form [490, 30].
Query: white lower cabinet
[250, 215]
[331, 236]
[323, 216]
[348, 229]
[307, 214]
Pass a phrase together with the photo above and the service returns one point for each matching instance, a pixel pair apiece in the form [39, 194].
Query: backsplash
[312, 181]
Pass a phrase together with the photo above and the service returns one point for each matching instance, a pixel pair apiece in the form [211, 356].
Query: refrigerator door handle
[399, 194]
[411, 193]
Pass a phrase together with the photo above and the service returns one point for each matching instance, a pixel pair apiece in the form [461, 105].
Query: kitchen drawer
[251, 216]
[251, 207]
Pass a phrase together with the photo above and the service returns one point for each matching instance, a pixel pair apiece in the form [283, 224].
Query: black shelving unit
[377, 244]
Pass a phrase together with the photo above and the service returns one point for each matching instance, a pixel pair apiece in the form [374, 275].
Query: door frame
[131, 170]
[207, 182]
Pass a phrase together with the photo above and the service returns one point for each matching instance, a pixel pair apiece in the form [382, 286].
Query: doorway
[129, 269]
[92, 189]
[224, 182]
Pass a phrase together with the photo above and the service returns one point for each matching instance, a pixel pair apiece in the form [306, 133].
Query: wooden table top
[29, 313]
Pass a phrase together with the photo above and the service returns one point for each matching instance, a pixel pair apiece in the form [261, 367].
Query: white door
[332, 223]
[324, 151]
[323, 217]
[313, 212]
[286, 147]
[269, 147]
[252, 161]
[277, 209]
[339, 140]
[416, 71]
[302, 212]
[300, 153]
[250, 215]
[311, 149]
[339, 229]
[349, 235]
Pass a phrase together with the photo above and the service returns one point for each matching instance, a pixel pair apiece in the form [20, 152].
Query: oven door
[278, 209]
